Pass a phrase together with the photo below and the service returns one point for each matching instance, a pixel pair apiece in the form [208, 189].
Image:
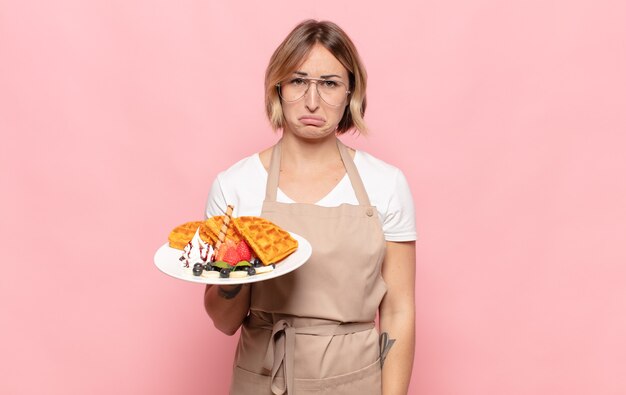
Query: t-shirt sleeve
[216, 202]
[399, 221]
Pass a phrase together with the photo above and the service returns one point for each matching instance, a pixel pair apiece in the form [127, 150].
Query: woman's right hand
[227, 305]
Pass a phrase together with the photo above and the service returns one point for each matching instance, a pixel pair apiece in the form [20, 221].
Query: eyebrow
[302, 73]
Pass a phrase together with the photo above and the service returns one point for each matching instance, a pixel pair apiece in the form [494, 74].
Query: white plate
[167, 260]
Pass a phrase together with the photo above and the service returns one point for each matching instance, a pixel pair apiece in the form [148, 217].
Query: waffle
[269, 242]
[210, 230]
[182, 234]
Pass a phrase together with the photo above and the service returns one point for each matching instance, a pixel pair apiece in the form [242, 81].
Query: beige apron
[312, 330]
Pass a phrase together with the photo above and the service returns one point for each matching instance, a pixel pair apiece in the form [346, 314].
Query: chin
[313, 133]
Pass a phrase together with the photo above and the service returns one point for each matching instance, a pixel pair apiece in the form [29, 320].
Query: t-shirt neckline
[285, 198]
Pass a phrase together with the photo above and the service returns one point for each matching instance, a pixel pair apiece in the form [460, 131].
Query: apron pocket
[365, 381]
[248, 383]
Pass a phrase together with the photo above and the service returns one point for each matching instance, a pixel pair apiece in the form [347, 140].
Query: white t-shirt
[243, 185]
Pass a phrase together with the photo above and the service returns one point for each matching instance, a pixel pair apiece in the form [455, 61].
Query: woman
[312, 330]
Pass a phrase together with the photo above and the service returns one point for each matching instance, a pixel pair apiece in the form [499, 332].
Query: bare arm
[227, 305]
[397, 315]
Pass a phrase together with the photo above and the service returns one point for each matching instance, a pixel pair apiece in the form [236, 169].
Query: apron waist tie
[280, 351]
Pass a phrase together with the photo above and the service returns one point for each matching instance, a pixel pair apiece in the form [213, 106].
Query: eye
[330, 84]
[297, 82]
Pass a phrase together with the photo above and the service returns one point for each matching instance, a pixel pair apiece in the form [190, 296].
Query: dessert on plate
[227, 247]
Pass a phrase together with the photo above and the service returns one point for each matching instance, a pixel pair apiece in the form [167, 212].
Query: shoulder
[389, 191]
[265, 157]
[375, 170]
[367, 159]
[242, 185]
[243, 169]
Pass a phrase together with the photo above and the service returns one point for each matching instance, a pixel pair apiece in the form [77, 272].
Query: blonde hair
[291, 53]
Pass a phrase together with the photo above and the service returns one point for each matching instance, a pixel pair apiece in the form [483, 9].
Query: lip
[313, 120]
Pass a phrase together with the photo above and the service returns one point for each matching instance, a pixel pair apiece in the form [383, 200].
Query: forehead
[320, 61]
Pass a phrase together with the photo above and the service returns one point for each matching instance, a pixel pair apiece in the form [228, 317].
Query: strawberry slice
[228, 243]
[244, 251]
[231, 256]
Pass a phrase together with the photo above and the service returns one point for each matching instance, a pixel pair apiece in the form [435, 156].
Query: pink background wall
[507, 118]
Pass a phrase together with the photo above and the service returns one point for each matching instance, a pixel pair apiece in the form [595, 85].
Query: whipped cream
[196, 251]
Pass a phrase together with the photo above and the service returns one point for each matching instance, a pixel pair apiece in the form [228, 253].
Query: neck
[303, 153]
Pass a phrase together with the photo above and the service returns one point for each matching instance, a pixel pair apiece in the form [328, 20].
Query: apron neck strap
[273, 173]
[353, 174]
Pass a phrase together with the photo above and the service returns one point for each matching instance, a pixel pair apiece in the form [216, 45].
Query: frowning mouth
[313, 120]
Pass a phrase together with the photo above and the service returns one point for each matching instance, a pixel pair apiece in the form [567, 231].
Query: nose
[312, 97]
